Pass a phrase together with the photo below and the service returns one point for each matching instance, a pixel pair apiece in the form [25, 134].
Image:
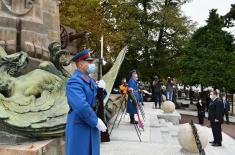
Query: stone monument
[33, 104]
[29, 25]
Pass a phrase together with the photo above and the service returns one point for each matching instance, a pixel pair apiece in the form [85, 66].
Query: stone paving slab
[159, 137]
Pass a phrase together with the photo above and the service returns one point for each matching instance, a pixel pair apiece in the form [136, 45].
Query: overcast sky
[198, 10]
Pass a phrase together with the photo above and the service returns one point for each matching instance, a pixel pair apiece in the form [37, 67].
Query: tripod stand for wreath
[139, 110]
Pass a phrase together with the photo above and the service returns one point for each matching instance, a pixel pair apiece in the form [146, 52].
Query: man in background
[226, 109]
[157, 88]
[215, 115]
[169, 89]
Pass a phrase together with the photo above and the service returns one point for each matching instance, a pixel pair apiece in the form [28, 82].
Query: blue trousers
[169, 95]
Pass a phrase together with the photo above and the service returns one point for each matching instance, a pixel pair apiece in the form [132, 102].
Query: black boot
[132, 118]
[134, 122]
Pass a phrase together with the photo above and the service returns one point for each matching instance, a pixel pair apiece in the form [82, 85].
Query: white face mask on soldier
[91, 68]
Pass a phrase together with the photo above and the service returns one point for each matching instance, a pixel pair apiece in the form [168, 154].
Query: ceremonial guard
[133, 88]
[83, 125]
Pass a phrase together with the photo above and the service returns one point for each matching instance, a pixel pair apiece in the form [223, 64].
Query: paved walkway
[159, 137]
[194, 113]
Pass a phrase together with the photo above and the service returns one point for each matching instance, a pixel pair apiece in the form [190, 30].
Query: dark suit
[216, 112]
[201, 112]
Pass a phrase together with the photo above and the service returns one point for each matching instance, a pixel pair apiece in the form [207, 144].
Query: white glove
[101, 126]
[101, 84]
[216, 120]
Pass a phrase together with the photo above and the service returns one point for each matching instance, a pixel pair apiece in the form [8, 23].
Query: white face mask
[135, 77]
[91, 68]
[212, 96]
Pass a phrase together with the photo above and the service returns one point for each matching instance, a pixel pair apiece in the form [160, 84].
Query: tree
[155, 32]
[230, 17]
[90, 15]
[209, 58]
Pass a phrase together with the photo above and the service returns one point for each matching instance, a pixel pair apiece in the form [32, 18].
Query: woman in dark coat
[200, 112]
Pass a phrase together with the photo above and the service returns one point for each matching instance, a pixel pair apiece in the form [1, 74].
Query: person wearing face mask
[200, 112]
[133, 87]
[226, 109]
[83, 125]
[169, 89]
[157, 89]
[215, 116]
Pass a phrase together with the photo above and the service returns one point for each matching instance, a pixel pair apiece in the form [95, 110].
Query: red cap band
[82, 57]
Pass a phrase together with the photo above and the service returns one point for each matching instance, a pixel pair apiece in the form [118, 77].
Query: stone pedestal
[173, 117]
[47, 147]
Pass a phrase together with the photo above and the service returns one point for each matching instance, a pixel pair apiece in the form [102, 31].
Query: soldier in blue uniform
[83, 125]
[133, 87]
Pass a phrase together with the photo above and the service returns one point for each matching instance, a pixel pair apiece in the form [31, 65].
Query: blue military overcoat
[82, 136]
[131, 109]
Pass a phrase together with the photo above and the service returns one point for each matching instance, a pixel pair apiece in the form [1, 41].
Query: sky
[198, 10]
